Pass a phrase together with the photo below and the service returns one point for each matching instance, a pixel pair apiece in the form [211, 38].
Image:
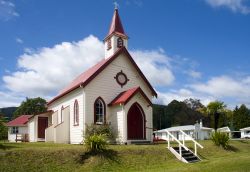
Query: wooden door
[42, 125]
[136, 123]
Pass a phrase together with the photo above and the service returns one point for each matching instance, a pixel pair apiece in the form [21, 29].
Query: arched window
[100, 111]
[119, 42]
[109, 46]
[62, 114]
[76, 113]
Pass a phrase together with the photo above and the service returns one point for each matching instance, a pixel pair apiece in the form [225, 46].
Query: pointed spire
[116, 24]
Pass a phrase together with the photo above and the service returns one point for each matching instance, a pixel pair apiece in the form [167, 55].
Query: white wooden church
[114, 92]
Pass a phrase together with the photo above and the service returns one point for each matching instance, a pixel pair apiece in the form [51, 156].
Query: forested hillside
[8, 112]
[176, 113]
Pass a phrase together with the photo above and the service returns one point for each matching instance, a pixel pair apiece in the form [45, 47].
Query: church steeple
[116, 37]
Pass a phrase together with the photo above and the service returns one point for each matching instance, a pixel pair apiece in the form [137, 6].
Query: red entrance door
[42, 125]
[135, 122]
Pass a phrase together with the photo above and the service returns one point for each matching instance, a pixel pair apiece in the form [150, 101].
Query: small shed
[245, 132]
[18, 129]
[226, 130]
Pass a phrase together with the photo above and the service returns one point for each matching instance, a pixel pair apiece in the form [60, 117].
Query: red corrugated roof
[87, 76]
[19, 121]
[125, 96]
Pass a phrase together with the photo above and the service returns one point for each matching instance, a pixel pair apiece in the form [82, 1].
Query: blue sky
[199, 47]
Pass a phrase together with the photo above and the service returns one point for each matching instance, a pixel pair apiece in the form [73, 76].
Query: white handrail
[192, 139]
[183, 142]
[195, 142]
[176, 140]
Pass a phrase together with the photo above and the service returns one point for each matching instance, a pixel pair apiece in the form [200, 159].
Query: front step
[187, 155]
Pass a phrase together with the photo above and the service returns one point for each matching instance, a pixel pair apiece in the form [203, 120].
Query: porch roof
[125, 96]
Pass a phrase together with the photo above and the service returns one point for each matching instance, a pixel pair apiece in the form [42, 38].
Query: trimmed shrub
[220, 139]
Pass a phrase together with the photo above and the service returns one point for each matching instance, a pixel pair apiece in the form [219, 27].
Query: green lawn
[62, 157]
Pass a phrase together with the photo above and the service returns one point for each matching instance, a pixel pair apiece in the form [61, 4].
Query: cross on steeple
[116, 5]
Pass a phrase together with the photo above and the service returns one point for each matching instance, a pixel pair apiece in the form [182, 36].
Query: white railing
[171, 137]
[175, 139]
[191, 139]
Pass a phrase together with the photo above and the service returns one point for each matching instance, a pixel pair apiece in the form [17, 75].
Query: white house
[245, 132]
[225, 130]
[18, 128]
[114, 91]
[196, 131]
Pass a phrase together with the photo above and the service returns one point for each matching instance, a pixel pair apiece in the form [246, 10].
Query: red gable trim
[124, 97]
[90, 74]
[19, 121]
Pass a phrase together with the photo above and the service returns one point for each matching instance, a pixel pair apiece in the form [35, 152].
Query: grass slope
[61, 157]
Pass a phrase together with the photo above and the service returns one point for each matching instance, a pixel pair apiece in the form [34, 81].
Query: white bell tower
[116, 37]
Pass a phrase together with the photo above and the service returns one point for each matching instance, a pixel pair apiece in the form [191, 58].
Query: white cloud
[7, 10]
[19, 40]
[155, 65]
[45, 71]
[180, 95]
[224, 86]
[194, 74]
[9, 99]
[234, 5]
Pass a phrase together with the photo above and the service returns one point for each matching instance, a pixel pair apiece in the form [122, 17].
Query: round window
[121, 78]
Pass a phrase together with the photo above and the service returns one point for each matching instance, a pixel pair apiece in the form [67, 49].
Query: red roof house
[19, 121]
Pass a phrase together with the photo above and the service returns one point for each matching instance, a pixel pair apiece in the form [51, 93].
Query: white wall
[33, 126]
[114, 48]
[62, 130]
[202, 135]
[105, 86]
[245, 134]
[205, 134]
[21, 130]
[76, 132]
[164, 135]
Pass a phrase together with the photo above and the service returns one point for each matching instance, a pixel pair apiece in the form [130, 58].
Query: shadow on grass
[108, 154]
[232, 148]
[4, 147]
[245, 141]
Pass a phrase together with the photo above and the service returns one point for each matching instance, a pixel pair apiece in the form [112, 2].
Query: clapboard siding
[76, 132]
[105, 86]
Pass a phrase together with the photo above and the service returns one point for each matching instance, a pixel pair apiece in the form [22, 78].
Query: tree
[193, 104]
[174, 114]
[31, 106]
[3, 128]
[241, 117]
[215, 110]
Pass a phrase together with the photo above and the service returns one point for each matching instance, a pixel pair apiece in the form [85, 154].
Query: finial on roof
[116, 24]
[116, 5]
